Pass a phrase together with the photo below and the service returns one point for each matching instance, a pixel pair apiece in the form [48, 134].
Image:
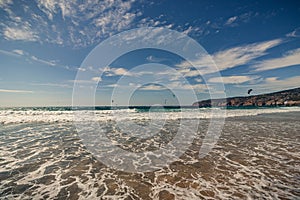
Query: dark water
[256, 157]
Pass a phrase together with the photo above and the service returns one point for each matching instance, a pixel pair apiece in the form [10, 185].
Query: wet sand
[256, 157]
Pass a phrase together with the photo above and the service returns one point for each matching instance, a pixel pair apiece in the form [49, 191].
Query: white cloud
[152, 87]
[51, 63]
[119, 71]
[199, 80]
[188, 30]
[52, 7]
[92, 81]
[231, 20]
[200, 87]
[19, 52]
[175, 86]
[66, 7]
[88, 82]
[80, 23]
[178, 85]
[5, 3]
[97, 20]
[15, 52]
[34, 58]
[9, 53]
[294, 34]
[236, 20]
[243, 54]
[116, 72]
[96, 79]
[103, 19]
[191, 73]
[230, 79]
[289, 59]
[155, 59]
[232, 57]
[48, 7]
[275, 84]
[20, 33]
[28, 57]
[61, 85]
[15, 91]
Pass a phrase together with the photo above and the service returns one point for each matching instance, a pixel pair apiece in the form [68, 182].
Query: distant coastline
[289, 97]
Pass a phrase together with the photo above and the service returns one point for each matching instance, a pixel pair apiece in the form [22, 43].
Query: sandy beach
[256, 157]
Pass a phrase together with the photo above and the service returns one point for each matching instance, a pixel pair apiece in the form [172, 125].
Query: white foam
[266, 167]
[29, 116]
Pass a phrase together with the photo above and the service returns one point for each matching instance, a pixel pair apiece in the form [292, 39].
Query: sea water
[42, 156]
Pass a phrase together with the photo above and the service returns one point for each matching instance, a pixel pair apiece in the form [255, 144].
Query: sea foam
[8, 116]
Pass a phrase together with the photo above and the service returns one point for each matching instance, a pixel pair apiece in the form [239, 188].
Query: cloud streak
[230, 79]
[241, 55]
[27, 56]
[269, 84]
[276, 83]
[294, 34]
[291, 58]
[233, 57]
[15, 91]
[231, 20]
[19, 52]
[50, 63]
[9, 53]
[110, 71]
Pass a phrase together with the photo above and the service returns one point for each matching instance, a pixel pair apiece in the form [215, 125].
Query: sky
[44, 43]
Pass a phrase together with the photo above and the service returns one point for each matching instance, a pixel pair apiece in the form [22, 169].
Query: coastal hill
[289, 97]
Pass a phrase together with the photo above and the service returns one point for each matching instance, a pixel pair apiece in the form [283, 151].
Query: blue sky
[255, 44]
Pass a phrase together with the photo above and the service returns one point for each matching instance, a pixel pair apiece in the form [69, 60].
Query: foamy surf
[8, 116]
[253, 159]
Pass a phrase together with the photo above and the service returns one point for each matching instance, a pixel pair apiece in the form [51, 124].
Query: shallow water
[256, 157]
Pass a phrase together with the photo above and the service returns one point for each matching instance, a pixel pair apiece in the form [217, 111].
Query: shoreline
[276, 116]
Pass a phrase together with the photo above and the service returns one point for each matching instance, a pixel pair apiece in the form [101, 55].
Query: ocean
[49, 153]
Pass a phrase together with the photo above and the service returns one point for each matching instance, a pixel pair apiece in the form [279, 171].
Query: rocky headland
[289, 97]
